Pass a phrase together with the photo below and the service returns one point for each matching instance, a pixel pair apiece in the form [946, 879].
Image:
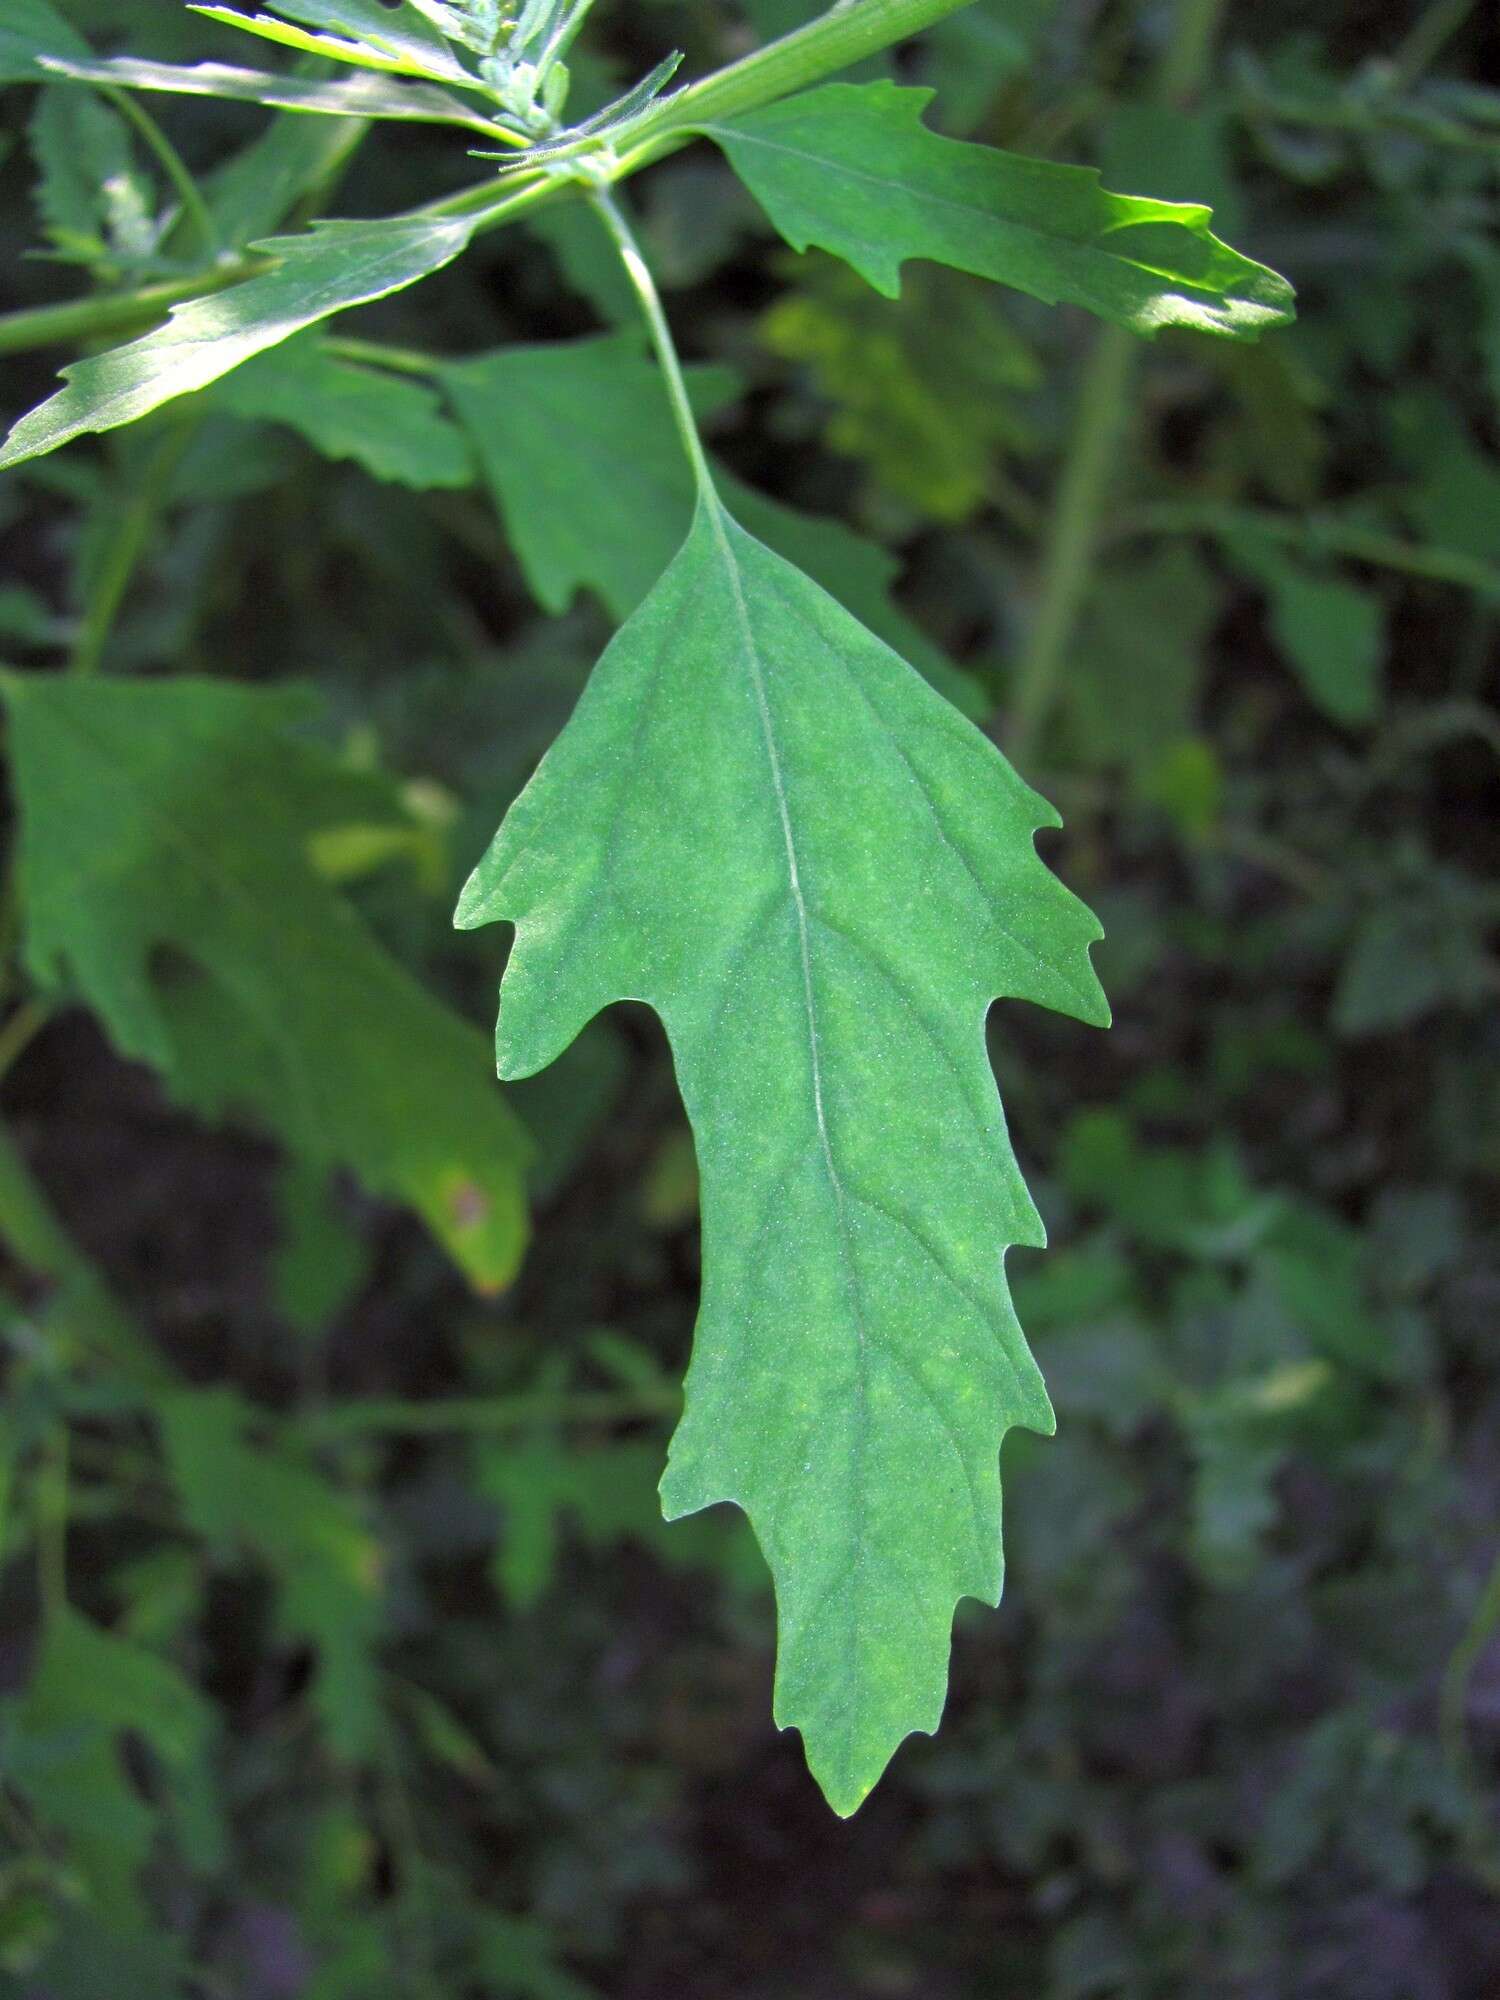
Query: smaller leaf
[925, 391]
[89, 1686]
[178, 814]
[343, 97]
[577, 443]
[391, 426]
[365, 33]
[851, 168]
[96, 205]
[257, 188]
[334, 266]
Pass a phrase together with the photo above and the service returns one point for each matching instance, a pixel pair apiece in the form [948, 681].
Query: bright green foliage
[336, 265]
[851, 168]
[179, 814]
[390, 425]
[360, 96]
[577, 443]
[365, 33]
[760, 821]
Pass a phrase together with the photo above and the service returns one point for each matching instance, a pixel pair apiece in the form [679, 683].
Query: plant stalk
[125, 547]
[172, 164]
[1098, 427]
[613, 217]
[75, 321]
[1073, 536]
[844, 35]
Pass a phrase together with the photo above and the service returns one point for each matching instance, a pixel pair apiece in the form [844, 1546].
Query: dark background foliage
[468, 1720]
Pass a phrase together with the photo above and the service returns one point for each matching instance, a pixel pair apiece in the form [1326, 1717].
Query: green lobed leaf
[94, 203]
[393, 427]
[851, 168]
[367, 96]
[577, 443]
[178, 814]
[761, 822]
[29, 30]
[334, 266]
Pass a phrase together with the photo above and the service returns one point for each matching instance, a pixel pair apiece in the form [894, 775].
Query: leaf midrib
[888, 185]
[750, 653]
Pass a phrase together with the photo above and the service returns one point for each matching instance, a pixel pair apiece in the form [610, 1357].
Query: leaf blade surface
[763, 823]
[852, 169]
[333, 266]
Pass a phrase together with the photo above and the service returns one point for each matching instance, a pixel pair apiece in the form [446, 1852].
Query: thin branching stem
[171, 162]
[639, 273]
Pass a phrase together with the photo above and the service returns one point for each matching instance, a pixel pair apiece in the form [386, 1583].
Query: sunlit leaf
[367, 96]
[851, 168]
[334, 266]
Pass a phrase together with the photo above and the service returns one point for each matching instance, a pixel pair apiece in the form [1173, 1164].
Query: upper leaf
[365, 33]
[851, 168]
[763, 823]
[334, 266]
[342, 96]
[178, 814]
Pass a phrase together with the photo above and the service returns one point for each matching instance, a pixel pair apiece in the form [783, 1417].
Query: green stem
[50, 1495]
[377, 354]
[1428, 38]
[845, 35]
[485, 1414]
[1073, 534]
[78, 320]
[172, 164]
[1188, 56]
[1098, 426]
[613, 217]
[1316, 534]
[126, 546]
